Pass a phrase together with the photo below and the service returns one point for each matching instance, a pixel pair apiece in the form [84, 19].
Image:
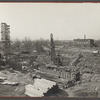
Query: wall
[84, 42]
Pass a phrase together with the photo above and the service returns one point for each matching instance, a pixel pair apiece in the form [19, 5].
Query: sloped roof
[44, 83]
[39, 87]
[32, 91]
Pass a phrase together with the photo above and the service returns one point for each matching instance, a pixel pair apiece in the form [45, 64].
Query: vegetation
[29, 45]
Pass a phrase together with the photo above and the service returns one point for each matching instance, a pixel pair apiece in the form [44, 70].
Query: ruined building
[52, 49]
[55, 58]
[84, 42]
[5, 39]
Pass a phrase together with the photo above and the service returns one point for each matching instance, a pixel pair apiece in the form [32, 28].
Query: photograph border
[48, 1]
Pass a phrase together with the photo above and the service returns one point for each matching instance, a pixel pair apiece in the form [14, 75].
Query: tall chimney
[52, 48]
[84, 37]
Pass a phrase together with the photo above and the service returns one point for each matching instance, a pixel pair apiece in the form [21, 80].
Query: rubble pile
[43, 59]
[14, 81]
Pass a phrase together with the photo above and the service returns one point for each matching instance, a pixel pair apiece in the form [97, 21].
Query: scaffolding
[5, 40]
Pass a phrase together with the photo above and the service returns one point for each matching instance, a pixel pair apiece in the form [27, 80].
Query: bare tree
[27, 44]
[38, 46]
[16, 45]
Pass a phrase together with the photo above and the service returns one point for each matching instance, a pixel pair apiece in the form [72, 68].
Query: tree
[16, 45]
[38, 46]
[27, 44]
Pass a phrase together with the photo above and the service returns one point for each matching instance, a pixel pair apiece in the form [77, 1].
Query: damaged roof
[39, 88]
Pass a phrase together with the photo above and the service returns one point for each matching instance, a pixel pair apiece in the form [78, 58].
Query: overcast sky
[65, 20]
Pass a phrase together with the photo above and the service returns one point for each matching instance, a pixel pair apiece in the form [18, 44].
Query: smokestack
[52, 48]
[51, 35]
[84, 37]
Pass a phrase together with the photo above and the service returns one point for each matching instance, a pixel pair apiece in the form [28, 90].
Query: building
[41, 87]
[84, 42]
[5, 39]
[53, 54]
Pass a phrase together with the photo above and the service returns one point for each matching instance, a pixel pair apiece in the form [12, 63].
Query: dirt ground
[23, 79]
[14, 76]
[84, 90]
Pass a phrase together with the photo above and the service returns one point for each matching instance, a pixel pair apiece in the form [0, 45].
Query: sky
[66, 21]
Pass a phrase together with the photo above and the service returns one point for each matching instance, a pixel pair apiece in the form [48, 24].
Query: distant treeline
[28, 45]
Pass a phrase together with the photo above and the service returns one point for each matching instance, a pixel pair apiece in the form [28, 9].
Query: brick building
[84, 42]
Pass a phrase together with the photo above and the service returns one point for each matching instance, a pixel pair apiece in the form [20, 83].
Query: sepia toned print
[50, 50]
